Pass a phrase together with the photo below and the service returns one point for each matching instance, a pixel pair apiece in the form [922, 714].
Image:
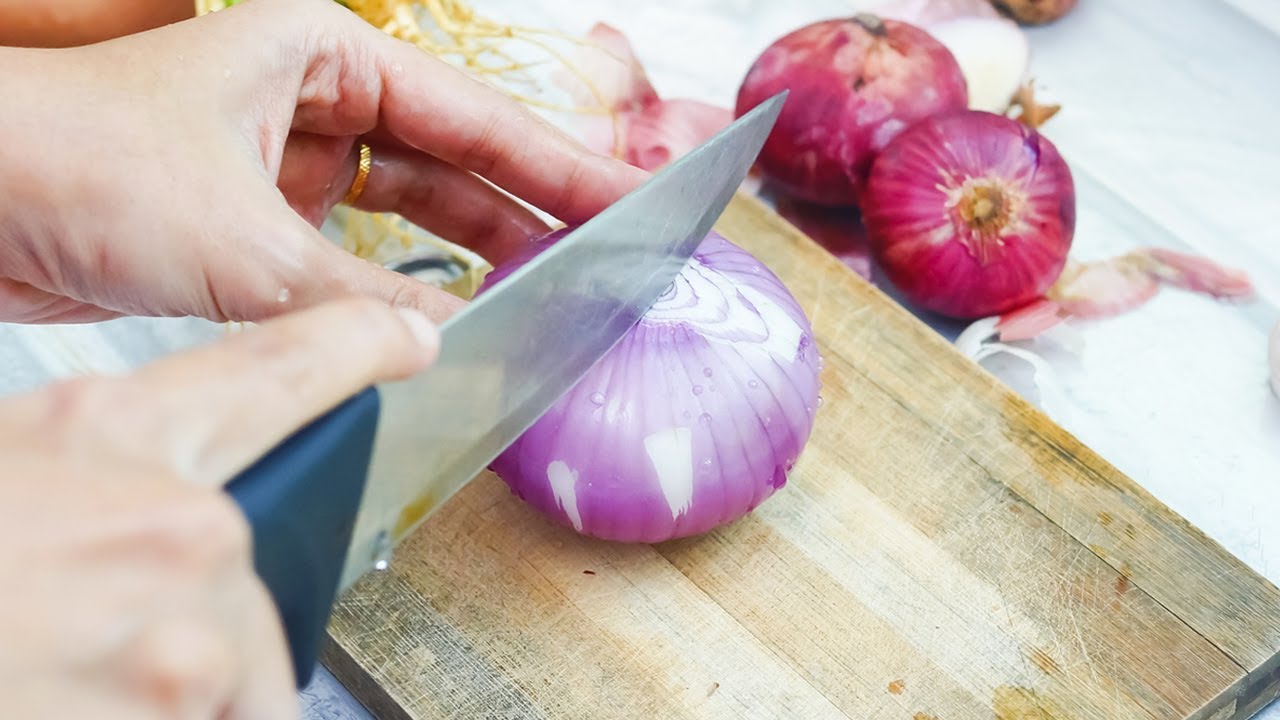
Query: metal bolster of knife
[301, 501]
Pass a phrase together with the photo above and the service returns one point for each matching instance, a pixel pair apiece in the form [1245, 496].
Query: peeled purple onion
[690, 422]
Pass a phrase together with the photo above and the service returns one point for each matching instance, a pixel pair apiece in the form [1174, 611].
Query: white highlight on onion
[782, 333]
[671, 453]
[564, 481]
[697, 298]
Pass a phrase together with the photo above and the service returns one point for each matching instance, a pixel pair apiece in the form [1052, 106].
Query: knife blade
[332, 502]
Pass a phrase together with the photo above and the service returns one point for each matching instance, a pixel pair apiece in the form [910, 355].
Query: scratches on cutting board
[1019, 703]
[1044, 662]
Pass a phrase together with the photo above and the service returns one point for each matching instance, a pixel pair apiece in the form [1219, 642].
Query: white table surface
[1171, 124]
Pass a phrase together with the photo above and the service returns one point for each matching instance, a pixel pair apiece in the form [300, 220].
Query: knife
[333, 500]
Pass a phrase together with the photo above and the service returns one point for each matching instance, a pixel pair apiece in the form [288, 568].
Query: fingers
[375, 83]
[258, 387]
[336, 273]
[438, 110]
[438, 197]
[23, 303]
[292, 266]
[266, 690]
[207, 414]
[448, 201]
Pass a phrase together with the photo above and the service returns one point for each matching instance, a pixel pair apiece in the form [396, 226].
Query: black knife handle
[301, 501]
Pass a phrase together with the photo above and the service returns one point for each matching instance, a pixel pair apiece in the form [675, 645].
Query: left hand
[184, 170]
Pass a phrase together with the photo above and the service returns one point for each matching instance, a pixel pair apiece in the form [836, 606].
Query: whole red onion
[854, 84]
[970, 214]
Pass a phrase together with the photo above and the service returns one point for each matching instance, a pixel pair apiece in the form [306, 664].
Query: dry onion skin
[1035, 12]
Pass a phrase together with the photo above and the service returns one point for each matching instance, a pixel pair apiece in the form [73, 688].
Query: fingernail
[427, 335]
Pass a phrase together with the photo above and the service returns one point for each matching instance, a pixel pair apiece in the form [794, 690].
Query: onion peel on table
[642, 128]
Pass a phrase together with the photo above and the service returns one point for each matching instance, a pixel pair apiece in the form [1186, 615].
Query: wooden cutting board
[942, 552]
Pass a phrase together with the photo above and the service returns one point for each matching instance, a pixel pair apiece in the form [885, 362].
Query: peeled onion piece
[854, 84]
[649, 132]
[690, 422]
[1104, 288]
[970, 214]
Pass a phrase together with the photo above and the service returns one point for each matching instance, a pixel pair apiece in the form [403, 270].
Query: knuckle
[178, 663]
[375, 319]
[79, 403]
[206, 528]
[484, 152]
[571, 188]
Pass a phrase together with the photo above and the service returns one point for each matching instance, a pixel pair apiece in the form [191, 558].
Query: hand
[129, 591]
[184, 170]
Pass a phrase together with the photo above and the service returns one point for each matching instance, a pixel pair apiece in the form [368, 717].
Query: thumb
[342, 274]
[296, 267]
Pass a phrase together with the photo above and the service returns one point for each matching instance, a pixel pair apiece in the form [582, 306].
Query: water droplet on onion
[804, 341]
[704, 417]
[597, 398]
[706, 371]
[768, 419]
[819, 401]
[753, 384]
[687, 414]
[697, 389]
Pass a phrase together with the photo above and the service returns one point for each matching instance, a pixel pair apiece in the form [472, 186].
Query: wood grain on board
[942, 551]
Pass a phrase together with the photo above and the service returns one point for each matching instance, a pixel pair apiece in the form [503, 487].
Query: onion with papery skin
[690, 422]
[970, 213]
[854, 84]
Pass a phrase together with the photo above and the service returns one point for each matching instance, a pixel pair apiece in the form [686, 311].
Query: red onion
[970, 214]
[854, 84]
[690, 422]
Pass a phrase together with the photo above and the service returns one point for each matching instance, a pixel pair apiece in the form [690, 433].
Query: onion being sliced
[691, 421]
